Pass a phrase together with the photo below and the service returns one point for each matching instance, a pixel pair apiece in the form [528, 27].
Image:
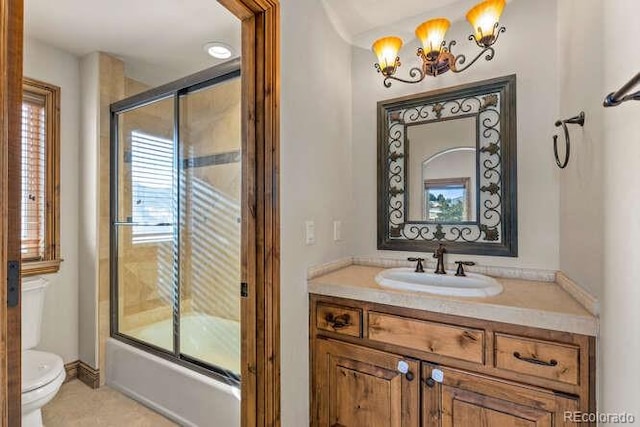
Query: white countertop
[524, 302]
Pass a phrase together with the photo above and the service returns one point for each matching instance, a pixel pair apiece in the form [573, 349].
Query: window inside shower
[176, 219]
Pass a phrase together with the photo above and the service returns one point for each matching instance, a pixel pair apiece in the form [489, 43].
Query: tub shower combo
[176, 181]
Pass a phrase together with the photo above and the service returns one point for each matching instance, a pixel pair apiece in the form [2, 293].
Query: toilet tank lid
[34, 283]
[39, 368]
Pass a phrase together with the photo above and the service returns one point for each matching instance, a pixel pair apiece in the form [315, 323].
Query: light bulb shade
[386, 49]
[431, 33]
[483, 17]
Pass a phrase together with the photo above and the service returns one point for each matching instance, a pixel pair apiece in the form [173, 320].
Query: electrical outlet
[309, 232]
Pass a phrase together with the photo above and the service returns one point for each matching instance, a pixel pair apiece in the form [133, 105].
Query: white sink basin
[471, 285]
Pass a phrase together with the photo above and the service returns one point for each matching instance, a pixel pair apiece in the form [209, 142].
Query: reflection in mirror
[442, 171]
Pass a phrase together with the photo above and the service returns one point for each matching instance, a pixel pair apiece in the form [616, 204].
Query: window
[447, 200]
[152, 192]
[40, 228]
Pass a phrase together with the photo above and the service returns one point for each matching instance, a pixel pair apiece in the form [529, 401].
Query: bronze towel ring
[577, 120]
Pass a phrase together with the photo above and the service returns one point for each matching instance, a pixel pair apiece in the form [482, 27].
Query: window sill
[33, 268]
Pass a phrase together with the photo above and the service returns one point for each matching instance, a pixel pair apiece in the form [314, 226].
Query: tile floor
[77, 405]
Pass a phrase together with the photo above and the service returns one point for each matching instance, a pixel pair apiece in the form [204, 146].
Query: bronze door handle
[338, 322]
[535, 361]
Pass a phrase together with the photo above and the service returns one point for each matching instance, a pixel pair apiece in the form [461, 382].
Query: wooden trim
[34, 268]
[88, 375]
[71, 370]
[50, 262]
[260, 209]
[11, 24]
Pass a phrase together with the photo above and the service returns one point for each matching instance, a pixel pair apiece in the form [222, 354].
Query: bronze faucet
[460, 272]
[419, 266]
[439, 254]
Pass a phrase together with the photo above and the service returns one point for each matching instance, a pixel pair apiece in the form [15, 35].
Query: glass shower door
[144, 230]
[176, 225]
[210, 234]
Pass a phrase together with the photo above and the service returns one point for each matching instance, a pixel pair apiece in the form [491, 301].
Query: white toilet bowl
[42, 375]
[42, 372]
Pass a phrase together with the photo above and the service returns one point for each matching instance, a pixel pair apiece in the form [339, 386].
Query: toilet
[42, 373]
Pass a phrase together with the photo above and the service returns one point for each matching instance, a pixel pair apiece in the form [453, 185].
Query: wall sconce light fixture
[435, 53]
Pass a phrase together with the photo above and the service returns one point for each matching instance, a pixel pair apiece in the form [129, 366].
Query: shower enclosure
[176, 222]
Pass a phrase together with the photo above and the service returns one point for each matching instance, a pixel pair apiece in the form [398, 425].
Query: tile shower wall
[111, 89]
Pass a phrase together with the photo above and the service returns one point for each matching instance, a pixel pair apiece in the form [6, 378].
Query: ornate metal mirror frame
[494, 230]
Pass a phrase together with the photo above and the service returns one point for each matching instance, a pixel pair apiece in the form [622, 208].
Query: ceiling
[159, 40]
[361, 22]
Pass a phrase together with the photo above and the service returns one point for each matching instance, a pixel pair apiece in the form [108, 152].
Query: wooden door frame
[261, 200]
[261, 209]
[11, 21]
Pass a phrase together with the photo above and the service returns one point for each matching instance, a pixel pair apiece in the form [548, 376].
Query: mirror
[447, 170]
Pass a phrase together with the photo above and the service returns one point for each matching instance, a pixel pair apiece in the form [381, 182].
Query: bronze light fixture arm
[489, 40]
[461, 59]
[417, 75]
[486, 48]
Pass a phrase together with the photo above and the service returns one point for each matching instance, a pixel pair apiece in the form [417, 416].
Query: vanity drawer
[545, 359]
[339, 319]
[436, 338]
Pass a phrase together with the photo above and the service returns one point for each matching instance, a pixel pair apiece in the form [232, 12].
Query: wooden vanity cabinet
[358, 386]
[466, 399]
[493, 375]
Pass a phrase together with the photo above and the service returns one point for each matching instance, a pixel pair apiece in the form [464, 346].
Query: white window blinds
[34, 148]
[152, 180]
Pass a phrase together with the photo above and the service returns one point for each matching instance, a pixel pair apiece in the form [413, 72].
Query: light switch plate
[337, 231]
[309, 232]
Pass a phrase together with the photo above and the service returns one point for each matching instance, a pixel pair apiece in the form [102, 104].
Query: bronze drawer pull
[552, 362]
[338, 322]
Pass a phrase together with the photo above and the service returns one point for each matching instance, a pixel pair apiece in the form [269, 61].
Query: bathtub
[185, 396]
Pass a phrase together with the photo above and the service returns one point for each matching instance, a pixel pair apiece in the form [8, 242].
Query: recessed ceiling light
[218, 50]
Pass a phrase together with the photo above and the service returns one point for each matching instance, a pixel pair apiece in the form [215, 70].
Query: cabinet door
[359, 387]
[471, 400]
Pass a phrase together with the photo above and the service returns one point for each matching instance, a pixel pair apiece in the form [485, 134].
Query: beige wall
[580, 87]
[620, 329]
[315, 178]
[537, 100]
[60, 317]
[88, 215]
[582, 182]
